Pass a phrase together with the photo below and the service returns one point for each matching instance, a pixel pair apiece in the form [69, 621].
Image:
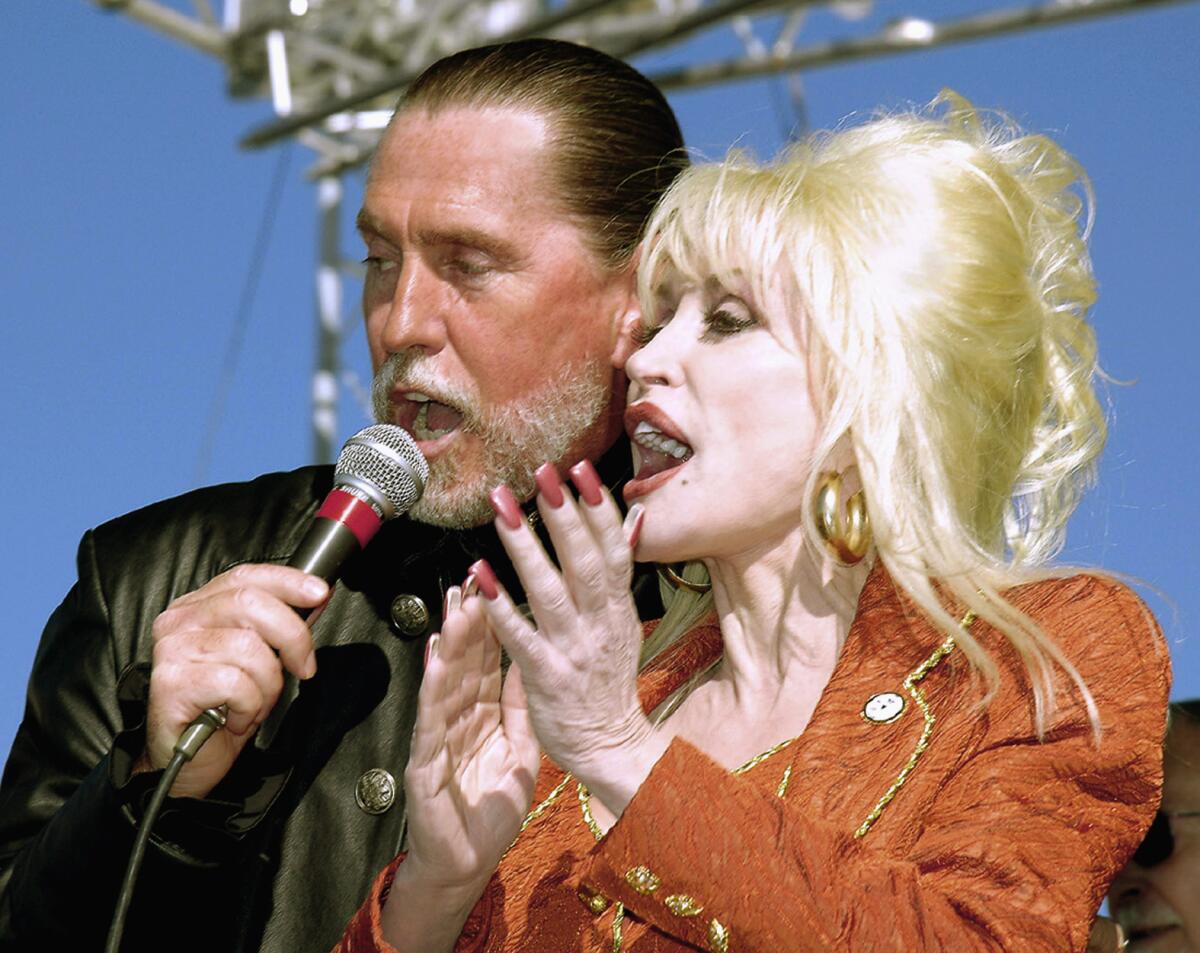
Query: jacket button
[410, 616]
[375, 791]
[883, 708]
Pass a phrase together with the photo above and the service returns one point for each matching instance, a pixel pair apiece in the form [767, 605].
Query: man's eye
[472, 269]
[379, 265]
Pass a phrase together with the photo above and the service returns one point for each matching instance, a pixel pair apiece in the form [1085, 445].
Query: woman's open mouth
[658, 455]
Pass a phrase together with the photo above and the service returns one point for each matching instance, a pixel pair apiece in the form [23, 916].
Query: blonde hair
[934, 263]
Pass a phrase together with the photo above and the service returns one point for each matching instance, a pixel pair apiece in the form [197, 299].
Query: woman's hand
[469, 780]
[580, 663]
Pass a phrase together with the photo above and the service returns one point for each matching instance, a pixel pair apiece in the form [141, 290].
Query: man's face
[491, 326]
[1159, 906]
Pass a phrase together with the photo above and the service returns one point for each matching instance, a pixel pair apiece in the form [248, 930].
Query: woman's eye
[724, 321]
[643, 334]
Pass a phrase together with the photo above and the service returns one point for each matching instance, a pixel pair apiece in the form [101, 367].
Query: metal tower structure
[332, 70]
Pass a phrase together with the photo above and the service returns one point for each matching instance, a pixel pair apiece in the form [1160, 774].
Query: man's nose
[415, 317]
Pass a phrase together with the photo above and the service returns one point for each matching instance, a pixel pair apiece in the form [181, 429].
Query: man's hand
[227, 643]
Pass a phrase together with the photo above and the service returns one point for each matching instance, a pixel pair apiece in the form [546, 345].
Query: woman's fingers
[544, 588]
[429, 735]
[511, 628]
[576, 542]
[514, 708]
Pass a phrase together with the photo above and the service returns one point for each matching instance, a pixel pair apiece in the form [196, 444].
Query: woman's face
[722, 424]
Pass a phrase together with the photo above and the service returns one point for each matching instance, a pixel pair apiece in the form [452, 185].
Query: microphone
[379, 475]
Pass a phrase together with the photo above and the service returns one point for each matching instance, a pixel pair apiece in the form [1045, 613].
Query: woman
[864, 402]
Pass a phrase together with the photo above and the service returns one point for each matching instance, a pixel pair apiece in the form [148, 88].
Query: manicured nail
[431, 647]
[506, 506]
[451, 601]
[587, 481]
[469, 587]
[482, 573]
[634, 519]
[549, 485]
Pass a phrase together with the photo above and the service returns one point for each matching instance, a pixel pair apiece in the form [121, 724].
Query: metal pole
[329, 319]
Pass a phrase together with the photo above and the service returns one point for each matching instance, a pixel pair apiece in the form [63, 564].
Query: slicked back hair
[615, 143]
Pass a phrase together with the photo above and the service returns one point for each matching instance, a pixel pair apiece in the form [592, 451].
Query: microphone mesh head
[383, 463]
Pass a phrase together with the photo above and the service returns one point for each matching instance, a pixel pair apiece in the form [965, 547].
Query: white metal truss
[334, 68]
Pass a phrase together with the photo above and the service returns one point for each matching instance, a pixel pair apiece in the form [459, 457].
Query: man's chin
[453, 510]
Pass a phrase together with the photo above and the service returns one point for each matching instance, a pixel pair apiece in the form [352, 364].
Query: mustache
[410, 371]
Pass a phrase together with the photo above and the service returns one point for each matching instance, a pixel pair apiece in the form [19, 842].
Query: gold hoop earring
[667, 572]
[849, 544]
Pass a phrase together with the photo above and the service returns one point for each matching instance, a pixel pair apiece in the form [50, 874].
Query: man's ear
[626, 338]
[630, 317]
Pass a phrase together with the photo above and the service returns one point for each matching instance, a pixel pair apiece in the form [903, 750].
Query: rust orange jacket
[995, 840]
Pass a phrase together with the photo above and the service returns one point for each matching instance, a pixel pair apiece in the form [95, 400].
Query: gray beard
[517, 437]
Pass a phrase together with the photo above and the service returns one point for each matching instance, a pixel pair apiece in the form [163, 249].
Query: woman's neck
[784, 618]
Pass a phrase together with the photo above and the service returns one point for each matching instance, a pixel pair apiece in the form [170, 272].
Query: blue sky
[130, 216]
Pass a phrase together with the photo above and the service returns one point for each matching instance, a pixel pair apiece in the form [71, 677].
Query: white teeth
[647, 436]
[416, 397]
[420, 425]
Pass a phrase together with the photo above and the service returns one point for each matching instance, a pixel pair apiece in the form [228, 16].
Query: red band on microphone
[358, 517]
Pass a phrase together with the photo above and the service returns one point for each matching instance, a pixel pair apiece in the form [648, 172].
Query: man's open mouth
[425, 418]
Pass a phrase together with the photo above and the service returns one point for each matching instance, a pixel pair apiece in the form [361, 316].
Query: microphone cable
[199, 731]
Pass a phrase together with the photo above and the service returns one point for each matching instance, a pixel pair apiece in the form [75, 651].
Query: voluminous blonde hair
[935, 266]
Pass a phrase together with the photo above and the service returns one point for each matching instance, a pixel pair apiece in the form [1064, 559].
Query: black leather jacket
[280, 854]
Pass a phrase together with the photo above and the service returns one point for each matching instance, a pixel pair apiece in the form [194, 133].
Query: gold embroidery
[682, 905]
[783, 782]
[618, 919]
[594, 901]
[918, 696]
[718, 937]
[541, 808]
[642, 879]
[760, 758]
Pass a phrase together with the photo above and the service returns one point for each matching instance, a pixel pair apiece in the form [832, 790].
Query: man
[1156, 898]
[501, 217]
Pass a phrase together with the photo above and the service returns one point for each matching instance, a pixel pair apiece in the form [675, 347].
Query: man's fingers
[246, 608]
[292, 586]
[197, 671]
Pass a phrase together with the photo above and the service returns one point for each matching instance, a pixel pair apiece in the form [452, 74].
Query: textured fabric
[997, 841]
[280, 852]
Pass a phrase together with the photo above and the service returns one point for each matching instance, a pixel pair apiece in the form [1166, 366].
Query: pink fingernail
[635, 531]
[587, 481]
[506, 506]
[549, 485]
[482, 573]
